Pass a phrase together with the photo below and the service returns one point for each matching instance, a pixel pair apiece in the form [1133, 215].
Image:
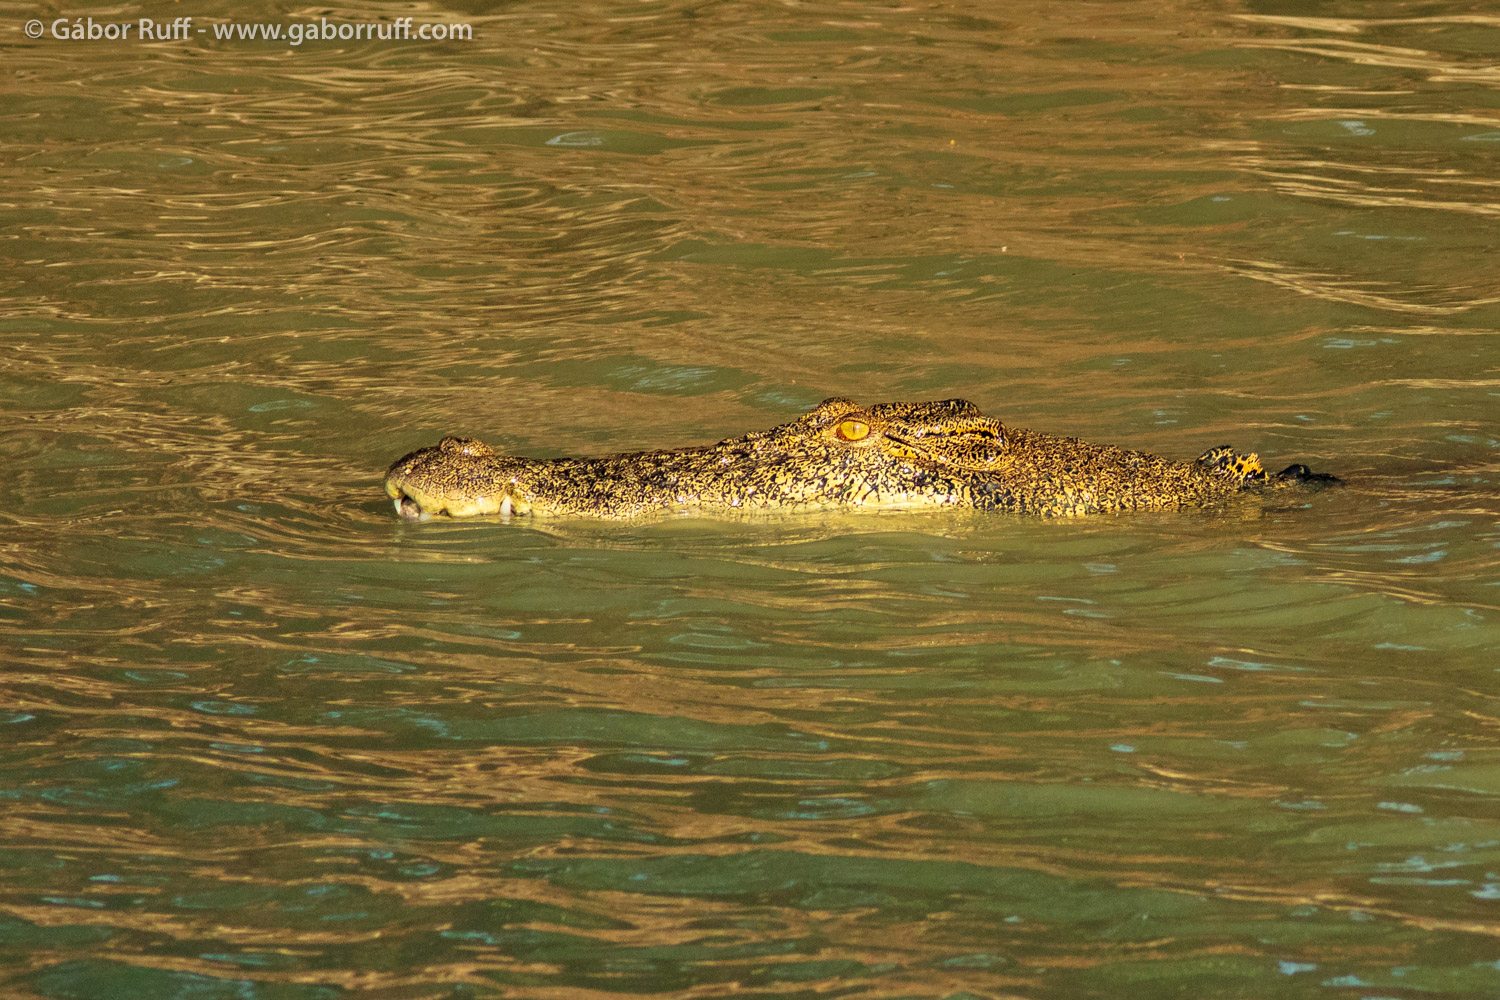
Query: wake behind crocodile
[944, 453]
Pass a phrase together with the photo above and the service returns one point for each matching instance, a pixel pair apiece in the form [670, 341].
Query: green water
[265, 740]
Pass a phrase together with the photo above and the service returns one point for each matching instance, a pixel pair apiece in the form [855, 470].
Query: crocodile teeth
[409, 508]
[505, 506]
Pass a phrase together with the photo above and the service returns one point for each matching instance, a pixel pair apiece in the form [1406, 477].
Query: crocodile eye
[852, 430]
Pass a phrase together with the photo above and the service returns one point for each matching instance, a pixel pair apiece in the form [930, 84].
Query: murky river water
[265, 740]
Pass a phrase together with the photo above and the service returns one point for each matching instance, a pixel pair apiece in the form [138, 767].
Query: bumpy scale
[839, 454]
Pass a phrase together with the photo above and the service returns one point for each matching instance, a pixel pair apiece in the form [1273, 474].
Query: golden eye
[852, 430]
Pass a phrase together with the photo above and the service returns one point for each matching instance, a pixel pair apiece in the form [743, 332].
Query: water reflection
[266, 738]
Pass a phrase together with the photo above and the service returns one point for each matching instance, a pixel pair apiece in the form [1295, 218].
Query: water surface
[266, 740]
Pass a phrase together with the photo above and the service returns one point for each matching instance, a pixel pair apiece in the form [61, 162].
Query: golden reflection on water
[1439, 68]
[243, 279]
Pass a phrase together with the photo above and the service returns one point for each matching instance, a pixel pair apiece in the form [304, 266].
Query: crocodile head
[837, 454]
[460, 477]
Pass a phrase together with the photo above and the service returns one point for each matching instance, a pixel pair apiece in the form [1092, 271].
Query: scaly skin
[840, 454]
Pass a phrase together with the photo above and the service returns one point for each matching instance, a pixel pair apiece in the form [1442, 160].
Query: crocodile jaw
[460, 477]
[414, 505]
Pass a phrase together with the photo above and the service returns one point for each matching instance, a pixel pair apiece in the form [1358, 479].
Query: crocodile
[839, 454]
